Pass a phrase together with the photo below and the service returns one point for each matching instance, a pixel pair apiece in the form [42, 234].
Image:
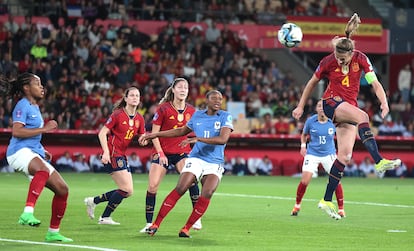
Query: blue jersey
[209, 126]
[321, 137]
[29, 115]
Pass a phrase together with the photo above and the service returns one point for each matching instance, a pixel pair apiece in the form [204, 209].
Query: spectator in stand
[282, 125]
[266, 125]
[95, 163]
[399, 172]
[314, 8]
[212, 32]
[367, 167]
[240, 167]
[135, 163]
[3, 8]
[228, 167]
[351, 169]
[330, 9]
[39, 50]
[404, 83]
[264, 166]
[80, 165]
[11, 25]
[65, 162]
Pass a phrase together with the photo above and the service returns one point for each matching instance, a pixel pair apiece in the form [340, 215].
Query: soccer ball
[290, 35]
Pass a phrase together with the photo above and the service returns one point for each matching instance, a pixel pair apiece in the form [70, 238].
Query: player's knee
[153, 187]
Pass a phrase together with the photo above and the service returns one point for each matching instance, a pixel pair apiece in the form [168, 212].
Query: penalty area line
[289, 198]
[59, 245]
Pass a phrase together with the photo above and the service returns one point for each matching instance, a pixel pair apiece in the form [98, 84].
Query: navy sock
[103, 197]
[335, 175]
[149, 206]
[114, 201]
[369, 142]
[194, 193]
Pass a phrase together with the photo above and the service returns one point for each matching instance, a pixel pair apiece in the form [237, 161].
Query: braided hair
[14, 88]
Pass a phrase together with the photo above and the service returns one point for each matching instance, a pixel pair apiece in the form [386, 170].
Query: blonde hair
[346, 44]
[169, 94]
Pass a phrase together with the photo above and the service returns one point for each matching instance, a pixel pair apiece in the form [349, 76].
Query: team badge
[187, 117]
[136, 123]
[337, 99]
[345, 69]
[180, 117]
[155, 156]
[355, 67]
[120, 163]
[217, 125]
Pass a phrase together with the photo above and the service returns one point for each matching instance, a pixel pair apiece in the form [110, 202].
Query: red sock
[36, 187]
[339, 193]
[168, 204]
[58, 210]
[300, 192]
[199, 209]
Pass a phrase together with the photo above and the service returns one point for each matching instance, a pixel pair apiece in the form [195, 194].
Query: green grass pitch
[246, 213]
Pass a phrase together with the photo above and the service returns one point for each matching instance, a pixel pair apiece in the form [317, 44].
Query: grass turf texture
[246, 213]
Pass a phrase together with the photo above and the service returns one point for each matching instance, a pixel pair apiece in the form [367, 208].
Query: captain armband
[370, 77]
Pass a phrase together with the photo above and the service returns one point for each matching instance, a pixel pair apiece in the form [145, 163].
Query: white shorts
[311, 163]
[200, 168]
[21, 159]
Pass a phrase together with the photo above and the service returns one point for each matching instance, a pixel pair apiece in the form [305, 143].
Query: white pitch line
[60, 245]
[289, 198]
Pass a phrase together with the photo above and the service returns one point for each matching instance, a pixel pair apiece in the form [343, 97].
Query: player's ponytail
[346, 44]
[352, 25]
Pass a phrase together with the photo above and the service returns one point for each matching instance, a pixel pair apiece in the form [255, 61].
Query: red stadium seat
[289, 167]
[277, 170]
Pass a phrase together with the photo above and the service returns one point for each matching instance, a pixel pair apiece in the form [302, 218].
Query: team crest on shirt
[355, 67]
[217, 125]
[187, 117]
[120, 163]
[136, 123]
[330, 131]
[180, 117]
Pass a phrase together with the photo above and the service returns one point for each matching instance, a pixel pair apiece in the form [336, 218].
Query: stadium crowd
[85, 68]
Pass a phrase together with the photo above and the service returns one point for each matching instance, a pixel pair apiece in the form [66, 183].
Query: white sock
[28, 209]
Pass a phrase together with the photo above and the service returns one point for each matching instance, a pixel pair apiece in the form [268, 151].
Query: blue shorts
[173, 159]
[117, 164]
[330, 104]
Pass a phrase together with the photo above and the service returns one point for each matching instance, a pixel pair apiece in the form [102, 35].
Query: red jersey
[343, 80]
[167, 117]
[123, 129]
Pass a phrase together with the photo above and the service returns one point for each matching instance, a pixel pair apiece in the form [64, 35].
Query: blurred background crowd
[85, 68]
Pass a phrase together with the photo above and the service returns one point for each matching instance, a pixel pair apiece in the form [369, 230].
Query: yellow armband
[370, 77]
